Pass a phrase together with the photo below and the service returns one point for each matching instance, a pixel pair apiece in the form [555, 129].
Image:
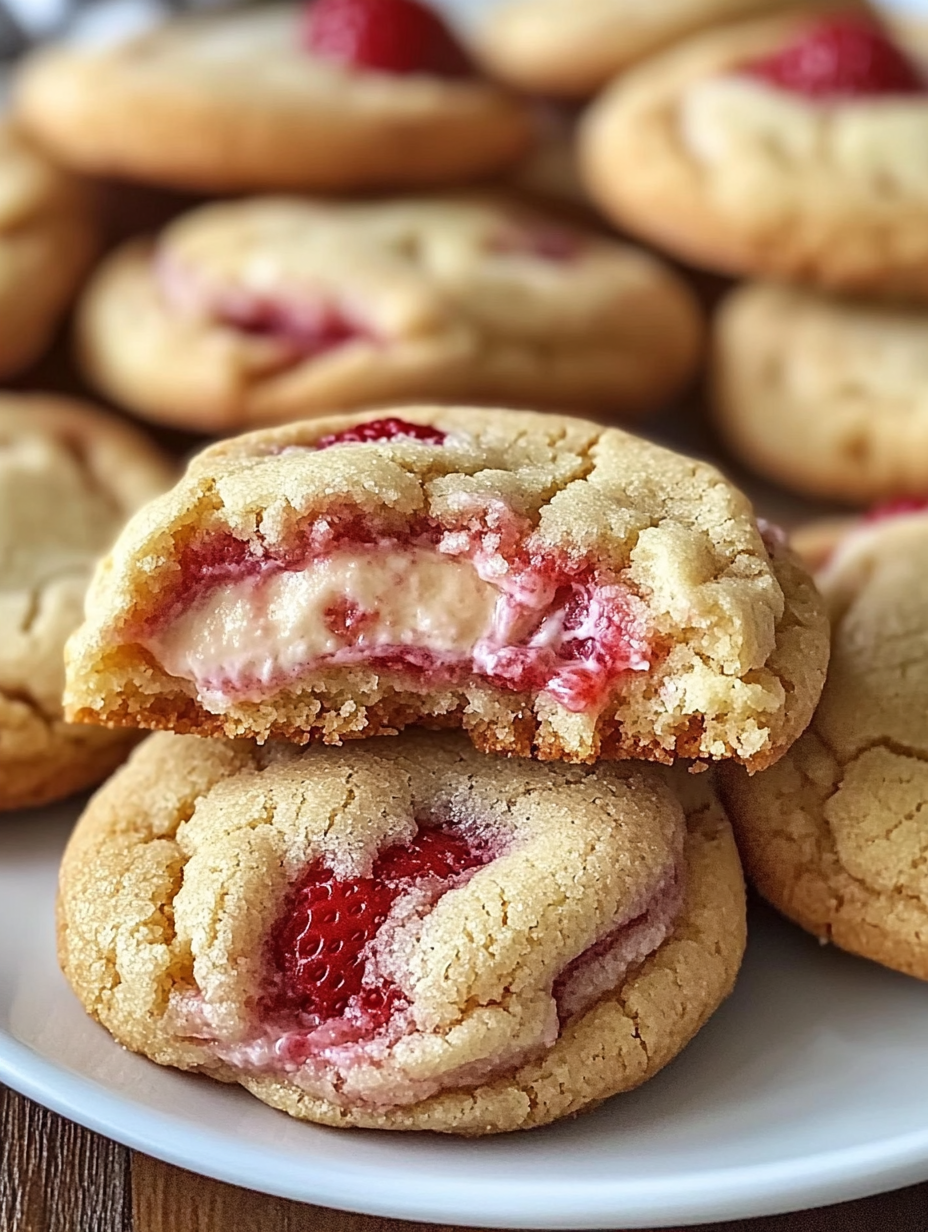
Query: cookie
[788, 147]
[256, 99]
[46, 242]
[557, 588]
[833, 835]
[500, 943]
[567, 49]
[273, 309]
[69, 478]
[824, 395]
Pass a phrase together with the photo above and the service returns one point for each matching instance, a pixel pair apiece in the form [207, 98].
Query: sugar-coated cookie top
[466, 973]
[673, 527]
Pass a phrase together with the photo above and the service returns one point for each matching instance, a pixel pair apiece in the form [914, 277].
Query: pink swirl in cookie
[546, 242]
[384, 36]
[332, 1012]
[380, 430]
[840, 57]
[436, 606]
[303, 326]
[895, 509]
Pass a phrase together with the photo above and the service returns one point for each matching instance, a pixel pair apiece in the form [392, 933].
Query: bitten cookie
[834, 835]
[789, 147]
[405, 936]
[826, 396]
[46, 242]
[558, 588]
[274, 309]
[69, 478]
[571, 49]
[274, 97]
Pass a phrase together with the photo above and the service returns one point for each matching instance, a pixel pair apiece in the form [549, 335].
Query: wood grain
[55, 1177]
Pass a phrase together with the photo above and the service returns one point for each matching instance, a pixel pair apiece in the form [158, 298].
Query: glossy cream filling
[416, 609]
[341, 608]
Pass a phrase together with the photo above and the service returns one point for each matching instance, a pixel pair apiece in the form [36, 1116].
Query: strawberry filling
[385, 36]
[331, 1011]
[320, 947]
[303, 326]
[438, 609]
[380, 430]
[840, 57]
[306, 330]
[895, 509]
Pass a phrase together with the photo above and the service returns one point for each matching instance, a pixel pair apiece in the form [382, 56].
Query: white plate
[809, 1086]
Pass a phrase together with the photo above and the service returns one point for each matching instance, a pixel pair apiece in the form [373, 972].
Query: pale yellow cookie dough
[834, 834]
[69, 478]
[573, 47]
[733, 174]
[231, 102]
[180, 865]
[738, 640]
[447, 295]
[827, 396]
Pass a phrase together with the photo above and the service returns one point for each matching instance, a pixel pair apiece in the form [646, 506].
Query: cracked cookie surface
[557, 588]
[593, 924]
[695, 153]
[69, 478]
[233, 102]
[825, 395]
[255, 312]
[834, 834]
[47, 241]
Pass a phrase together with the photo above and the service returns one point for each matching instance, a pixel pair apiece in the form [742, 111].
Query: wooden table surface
[56, 1177]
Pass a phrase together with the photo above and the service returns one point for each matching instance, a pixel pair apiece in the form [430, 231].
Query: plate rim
[741, 1192]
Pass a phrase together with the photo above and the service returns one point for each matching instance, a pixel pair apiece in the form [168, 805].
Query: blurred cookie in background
[549, 173]
[570, 48]
[824, 395]
[69, 477]
[813, 542]
[333, 96]
[790, 147]
[47, 240]
[272, 309]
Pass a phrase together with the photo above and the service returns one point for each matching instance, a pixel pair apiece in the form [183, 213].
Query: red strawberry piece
[385, 36]
[310, 329]
[895, 509]
[319, 944]
[840, 57]
[391, 429]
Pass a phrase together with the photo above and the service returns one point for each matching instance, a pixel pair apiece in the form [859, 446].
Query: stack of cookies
[365, 927]
[420, 839]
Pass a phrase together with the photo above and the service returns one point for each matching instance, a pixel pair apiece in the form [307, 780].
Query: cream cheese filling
[342, 607]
